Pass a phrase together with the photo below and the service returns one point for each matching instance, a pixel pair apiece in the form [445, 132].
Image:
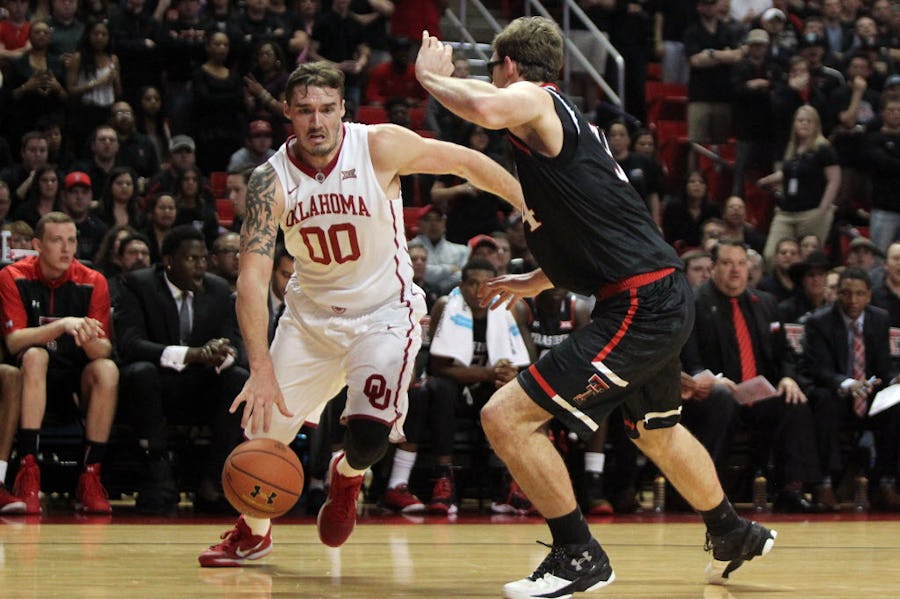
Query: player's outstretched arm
[507, 290]
[474, 100]
[399, 151]
[265, 204]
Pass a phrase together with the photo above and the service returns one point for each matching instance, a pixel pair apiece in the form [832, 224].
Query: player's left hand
[789, 388]
[259, 394]
[434, 57]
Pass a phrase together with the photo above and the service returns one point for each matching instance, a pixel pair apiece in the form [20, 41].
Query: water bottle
[659, 494]
[760, 493]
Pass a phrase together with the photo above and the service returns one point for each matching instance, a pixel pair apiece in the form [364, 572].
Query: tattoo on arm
[260, 227]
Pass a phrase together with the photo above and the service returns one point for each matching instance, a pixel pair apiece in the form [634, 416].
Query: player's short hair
[31, 135]
[18, 227]
[477, 265]
[691, 255]
[280, 252]
[536, 44]
[735, 243]
[55, 218]
[243, 171]
[316, 74]
[132, 237]
[854, 272]
[178, 235]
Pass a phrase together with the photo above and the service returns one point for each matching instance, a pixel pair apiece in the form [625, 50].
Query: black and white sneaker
[568, 569]
[730, 550]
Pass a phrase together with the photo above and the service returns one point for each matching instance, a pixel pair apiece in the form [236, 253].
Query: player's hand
[789, 388]
[259, 394]
[434, 57]
[506, 290]
[504, 371]
[215, 351]
[83, 330]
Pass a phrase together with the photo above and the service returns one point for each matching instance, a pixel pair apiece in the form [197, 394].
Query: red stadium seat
[417, 117]
[411, 215]
[218, 181]
[371, 115]
[665, 101]
[225, 212]
[673, 151]
[760, 205]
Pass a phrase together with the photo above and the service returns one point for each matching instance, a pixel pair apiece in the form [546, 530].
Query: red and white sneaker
[90, 494]
[401, 499]
[9, 503]
[238, 545]
[516, 502]
[443, 496]
[337, 518]
[27, 485]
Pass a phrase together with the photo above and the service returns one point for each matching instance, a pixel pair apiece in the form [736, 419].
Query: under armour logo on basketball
[351, 174]
[576, 562]
[270, 499]
[595, 385]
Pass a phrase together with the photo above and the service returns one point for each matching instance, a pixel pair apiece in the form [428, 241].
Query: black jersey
[549, 330]
[586, 225]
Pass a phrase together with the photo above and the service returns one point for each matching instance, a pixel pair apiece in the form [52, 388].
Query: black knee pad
[366, 442]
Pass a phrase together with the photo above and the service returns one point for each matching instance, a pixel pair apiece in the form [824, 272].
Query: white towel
[453, 337]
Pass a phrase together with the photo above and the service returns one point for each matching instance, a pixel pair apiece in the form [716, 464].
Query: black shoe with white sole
[732, 549]
[568, 569]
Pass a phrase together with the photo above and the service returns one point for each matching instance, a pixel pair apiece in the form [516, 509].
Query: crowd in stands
[129, 129]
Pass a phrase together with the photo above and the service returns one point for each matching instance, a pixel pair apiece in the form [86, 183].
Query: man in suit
[737, 336]
[846, 351]
[179, 344]
[282, 269]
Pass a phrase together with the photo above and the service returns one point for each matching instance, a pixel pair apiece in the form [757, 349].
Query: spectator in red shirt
[14, 30]
[395, 78]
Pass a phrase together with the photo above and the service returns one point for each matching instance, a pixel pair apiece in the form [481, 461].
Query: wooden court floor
[655, 556]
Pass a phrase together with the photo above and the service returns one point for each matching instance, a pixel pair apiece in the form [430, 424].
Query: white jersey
[346, 236]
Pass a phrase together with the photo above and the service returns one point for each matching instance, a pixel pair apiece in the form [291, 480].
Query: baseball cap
[260, 127]
[758, 36]
[773, 13]
[480, 240]
[865, 243]
[182, 142]
[76, 178]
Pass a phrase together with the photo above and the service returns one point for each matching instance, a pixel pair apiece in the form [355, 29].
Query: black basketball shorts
[629, 355]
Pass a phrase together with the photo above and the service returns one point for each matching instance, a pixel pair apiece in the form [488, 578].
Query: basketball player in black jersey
[590, 232]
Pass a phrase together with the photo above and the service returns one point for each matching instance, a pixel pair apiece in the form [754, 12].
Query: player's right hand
[434, 57]
[259, 394]
[507, 290]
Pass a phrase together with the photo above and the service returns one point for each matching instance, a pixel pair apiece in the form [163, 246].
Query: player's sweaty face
[316, 113]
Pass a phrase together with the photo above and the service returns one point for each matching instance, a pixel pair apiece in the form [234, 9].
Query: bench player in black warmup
[592, 234]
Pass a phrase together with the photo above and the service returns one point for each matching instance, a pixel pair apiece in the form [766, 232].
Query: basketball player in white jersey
[352, 311]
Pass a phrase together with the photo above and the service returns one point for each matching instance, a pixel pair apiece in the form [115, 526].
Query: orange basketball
[262, 478]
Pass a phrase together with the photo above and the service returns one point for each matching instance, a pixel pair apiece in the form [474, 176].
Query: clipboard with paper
[753, 390]
[884, 399]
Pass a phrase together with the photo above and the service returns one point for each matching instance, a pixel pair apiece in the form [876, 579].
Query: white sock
[3, 466]
[403, 463]
[594, 461]
[258, 526]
